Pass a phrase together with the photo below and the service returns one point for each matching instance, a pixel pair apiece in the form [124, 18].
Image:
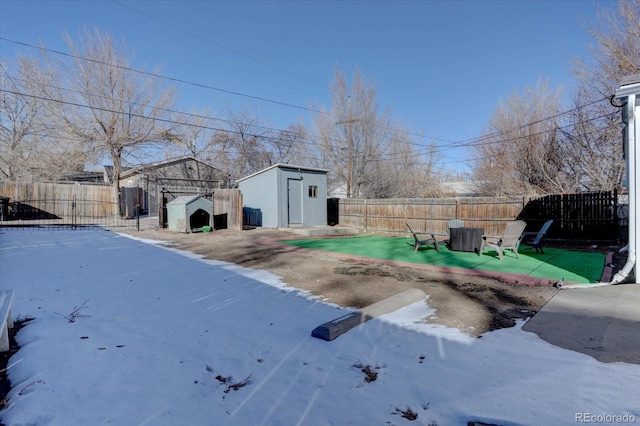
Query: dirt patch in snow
[472, 304]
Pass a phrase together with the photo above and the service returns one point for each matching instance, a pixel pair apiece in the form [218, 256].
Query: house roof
[108, 170]
[285, 166]
[84, 176]
[150, 166]
[628, 85]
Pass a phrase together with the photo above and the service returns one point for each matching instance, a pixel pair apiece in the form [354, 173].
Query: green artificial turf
[555, 264]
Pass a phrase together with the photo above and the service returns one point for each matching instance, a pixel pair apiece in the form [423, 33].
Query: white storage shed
[188, 213]
[284, 195]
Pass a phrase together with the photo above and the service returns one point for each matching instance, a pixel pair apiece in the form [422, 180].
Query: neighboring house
[338, 191]
[84, 177]
[447, 189]
[460, 188]
[108, 174]
[284, 196]
[179, 176]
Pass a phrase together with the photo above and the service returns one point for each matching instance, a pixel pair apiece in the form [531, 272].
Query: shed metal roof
[285, 166]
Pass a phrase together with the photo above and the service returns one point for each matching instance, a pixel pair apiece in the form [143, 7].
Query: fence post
[162, 208]
[73, 212]
[406, 209]
[616, 223]
[365, 215]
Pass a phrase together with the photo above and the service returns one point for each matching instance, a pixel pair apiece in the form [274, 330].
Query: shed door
[294, 199]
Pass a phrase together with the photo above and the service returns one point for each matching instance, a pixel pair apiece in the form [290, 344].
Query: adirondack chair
[534, 239]
[419, 242]
[509, 240]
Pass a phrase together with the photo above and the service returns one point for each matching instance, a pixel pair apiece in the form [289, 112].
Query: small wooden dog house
[189, 213]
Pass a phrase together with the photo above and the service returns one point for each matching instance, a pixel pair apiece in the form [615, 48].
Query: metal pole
[73, 212]
[349, 122]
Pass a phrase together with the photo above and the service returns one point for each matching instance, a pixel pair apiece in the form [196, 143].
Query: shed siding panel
[314, 210]
[267, 191]
[260, 192]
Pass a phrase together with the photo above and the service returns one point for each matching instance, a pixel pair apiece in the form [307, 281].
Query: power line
[222, 46]
[182, 81]
[382, 159]
[451, 144]
[172, 79]
[482, 140]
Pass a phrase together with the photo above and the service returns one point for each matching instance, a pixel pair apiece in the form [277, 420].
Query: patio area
[570, 266]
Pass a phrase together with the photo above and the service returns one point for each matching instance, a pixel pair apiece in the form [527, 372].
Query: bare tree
[110, 106]
[192, 133]
[403, 171]
[292, 146]
[592, 135]
[353, 136]
[367, 153]
[32, 145]
[519, 152]
[616, 52]
[591, 146]
[239, 149]
[245, 146]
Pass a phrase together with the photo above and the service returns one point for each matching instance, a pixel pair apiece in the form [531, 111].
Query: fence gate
[61, 206]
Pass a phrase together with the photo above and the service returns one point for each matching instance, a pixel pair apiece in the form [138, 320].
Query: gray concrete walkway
[603, 322]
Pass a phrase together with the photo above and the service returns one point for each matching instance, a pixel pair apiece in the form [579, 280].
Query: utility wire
[382, 159]
[172, 79]
[450, 145]
[482, 140]
[222, 46]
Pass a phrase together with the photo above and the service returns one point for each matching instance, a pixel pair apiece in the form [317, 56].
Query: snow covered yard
[128, 332]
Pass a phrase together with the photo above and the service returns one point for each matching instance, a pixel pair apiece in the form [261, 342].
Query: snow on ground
[160, 338]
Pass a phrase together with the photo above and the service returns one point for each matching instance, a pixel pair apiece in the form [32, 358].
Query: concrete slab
[320, 231]
[603, 322]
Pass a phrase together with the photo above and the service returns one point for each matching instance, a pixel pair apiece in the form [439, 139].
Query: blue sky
[439, 67]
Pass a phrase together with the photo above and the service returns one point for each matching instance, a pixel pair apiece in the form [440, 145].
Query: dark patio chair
[419, 241]
[534, 239]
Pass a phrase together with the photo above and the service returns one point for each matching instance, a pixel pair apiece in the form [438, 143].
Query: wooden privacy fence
[42, 200]
[429, 214]
[227, 208]
[587, 216]
[44, 204]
